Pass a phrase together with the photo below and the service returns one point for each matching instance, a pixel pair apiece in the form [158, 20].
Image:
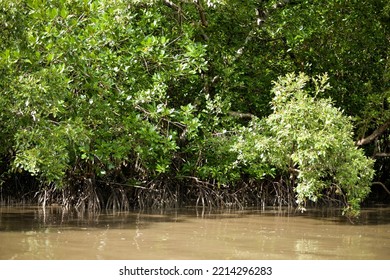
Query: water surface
[275, 234]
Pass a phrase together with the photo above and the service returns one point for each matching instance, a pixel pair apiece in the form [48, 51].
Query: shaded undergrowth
[92, 195]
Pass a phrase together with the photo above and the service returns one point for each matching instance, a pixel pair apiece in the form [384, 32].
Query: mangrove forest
[123, 104]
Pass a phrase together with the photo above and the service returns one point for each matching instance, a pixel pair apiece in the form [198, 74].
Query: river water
[274, 234]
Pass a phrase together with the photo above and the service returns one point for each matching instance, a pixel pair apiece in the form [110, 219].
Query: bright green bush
[310, 140]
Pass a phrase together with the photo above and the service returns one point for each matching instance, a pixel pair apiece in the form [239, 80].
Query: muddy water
[31, 233]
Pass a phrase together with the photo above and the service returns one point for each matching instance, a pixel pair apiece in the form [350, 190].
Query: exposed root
[118, 200]
[90, 195]
[157, 195]
[88, 198]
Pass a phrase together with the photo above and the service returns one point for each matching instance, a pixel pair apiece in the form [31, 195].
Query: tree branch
[382, 185]
[376, 155]
[202, 13]
[377, 132]
[172, 5]
[241, 115]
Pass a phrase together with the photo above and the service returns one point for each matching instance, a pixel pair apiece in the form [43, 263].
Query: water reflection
[34, 233]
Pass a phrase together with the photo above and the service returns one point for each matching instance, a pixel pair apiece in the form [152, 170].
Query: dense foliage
[113, 102]
[310, 141]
